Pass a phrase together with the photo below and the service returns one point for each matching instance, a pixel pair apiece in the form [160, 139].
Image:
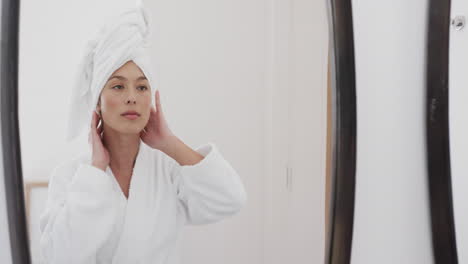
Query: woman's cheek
[145, 119]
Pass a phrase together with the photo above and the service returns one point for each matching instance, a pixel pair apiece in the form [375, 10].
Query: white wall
[212, 57]
[392, 223]
[294, 219]
[247, 75]
[458, 120]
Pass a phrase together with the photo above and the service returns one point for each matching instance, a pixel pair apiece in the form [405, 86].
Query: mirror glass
[226, 163]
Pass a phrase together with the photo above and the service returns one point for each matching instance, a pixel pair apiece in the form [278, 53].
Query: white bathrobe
[89, 220]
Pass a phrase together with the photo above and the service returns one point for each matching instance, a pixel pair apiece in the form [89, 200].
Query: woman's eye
[145, 88]
[117, 86]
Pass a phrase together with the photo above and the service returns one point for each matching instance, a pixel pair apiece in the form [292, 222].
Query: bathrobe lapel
[141, 209]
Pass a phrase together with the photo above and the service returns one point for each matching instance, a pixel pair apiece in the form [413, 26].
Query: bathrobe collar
[138, 221]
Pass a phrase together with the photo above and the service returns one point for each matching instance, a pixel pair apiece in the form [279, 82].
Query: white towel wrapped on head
[123, 38]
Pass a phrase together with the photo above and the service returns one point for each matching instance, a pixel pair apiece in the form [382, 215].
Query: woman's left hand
[157, 135]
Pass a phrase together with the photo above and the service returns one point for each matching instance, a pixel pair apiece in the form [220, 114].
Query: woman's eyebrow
[123, 78]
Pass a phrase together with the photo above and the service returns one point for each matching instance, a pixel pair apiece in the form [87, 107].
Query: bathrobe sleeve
[79, 215]
[209, 190]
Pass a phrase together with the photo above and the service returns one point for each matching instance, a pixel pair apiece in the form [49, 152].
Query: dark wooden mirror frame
[14, 191]
[343, 133]
[437, 132]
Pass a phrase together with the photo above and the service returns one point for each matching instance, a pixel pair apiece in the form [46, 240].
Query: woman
[127, 200]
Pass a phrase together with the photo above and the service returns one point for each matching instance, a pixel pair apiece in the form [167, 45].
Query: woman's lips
[131, 116]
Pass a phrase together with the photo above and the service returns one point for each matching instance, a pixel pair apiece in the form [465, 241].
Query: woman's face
[127, 89]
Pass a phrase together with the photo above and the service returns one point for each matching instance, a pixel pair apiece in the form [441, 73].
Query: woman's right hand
[100, 156]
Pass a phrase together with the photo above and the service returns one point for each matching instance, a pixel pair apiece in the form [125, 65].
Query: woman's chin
[132, 131]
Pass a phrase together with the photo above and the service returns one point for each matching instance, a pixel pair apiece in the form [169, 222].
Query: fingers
[91, 131]
[95, 121]
[158, 101]
[93, 117]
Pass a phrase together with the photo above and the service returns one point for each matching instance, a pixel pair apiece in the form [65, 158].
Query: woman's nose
[130, 98]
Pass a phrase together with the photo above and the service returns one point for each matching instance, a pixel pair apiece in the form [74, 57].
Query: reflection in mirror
[223, 159]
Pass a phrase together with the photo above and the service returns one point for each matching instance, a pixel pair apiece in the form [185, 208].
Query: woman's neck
[123, 149]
